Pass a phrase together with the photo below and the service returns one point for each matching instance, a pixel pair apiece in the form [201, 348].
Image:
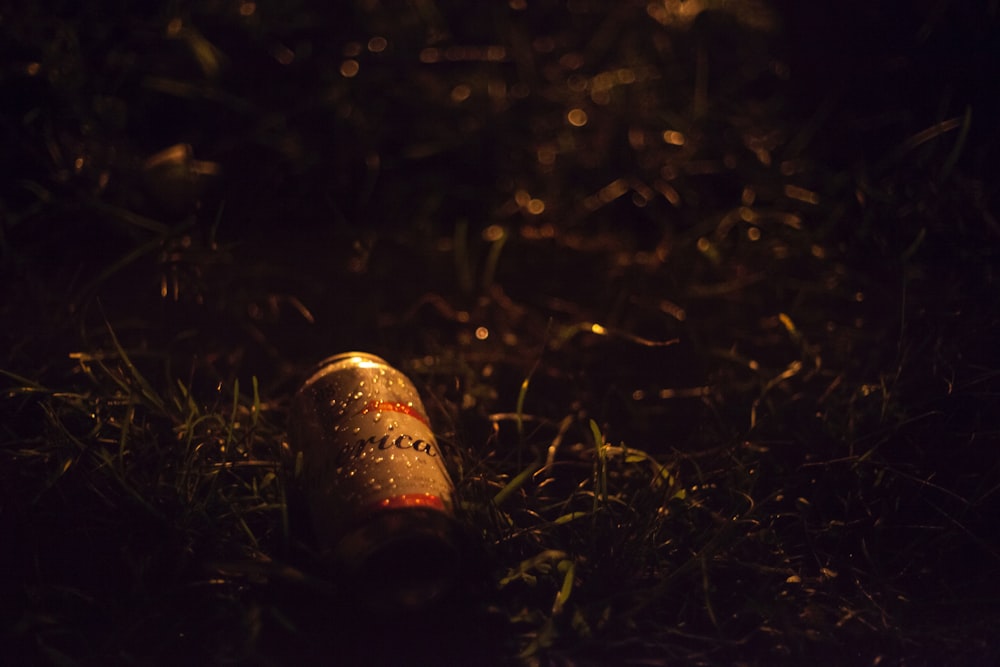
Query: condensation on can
[375, 481]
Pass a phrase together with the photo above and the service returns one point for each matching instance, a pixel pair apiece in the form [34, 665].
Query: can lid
[401, 560]
[356, 359]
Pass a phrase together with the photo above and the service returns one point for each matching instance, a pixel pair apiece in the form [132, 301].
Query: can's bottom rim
[409, 501]
[402, 559]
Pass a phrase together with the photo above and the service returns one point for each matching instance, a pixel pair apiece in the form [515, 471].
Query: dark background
[305, 212]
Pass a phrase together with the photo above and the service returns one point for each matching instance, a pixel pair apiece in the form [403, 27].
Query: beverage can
[375, 482]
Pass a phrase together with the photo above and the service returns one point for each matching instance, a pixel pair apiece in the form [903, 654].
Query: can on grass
[376, 486]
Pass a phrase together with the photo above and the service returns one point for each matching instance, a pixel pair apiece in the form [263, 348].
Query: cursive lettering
[351, 451]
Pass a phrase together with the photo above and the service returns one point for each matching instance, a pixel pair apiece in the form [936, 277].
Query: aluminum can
[376, 486]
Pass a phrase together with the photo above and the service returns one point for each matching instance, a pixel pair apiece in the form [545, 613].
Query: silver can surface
[378, 491]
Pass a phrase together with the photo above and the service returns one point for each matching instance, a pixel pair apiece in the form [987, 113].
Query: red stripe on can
[396, 406]
[409, 501]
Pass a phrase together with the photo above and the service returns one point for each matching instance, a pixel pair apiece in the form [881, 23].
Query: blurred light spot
[285, 56]
[377, 44]
[642, 191]
[352, 49]
[518, 5]
[178, 155]
[510, 339]
[792, 220]
[607, 194]
[668, 192]
[508, 208]
[613, 190]
[603, 81]
[625, 76]
[801, 194]
[78, 164]
[704, 245]
[636, 138]
[638, 395]
[430, 55]
[358, 264]
[460, 93]
[673, 138]
[571, 61]
[577, 117]
[493, 233]
[462, 316]
[686, 392]
[174, 27]
[671, 308]
[349, 68]
[859, 296]
[544, 44]
[786, 321]
[536, 206]
[497, 89]
[602, 97]
[521, 197]
[482, 333]
[492, 53]
[247, 8]
[496, 53]
[817, 251]
[747, 214]
[576, 83]
[545, 231]
[33, 69]
[547, 154]
[753, 365]
[598, 329]
[658, 12]
[791, 167]
[753, 233]
[748, 196]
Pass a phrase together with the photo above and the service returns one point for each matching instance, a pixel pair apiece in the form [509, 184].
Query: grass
[708, 343]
